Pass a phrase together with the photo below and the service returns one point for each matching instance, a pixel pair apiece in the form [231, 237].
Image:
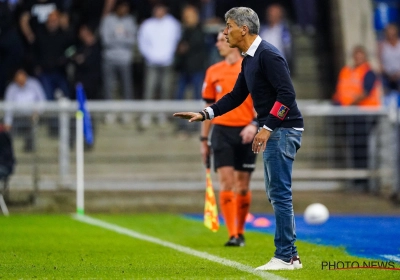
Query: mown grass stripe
[180, 248]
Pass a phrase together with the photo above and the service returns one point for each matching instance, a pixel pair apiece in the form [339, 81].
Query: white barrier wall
[126, 157]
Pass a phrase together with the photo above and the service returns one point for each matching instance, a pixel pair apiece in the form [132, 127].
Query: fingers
[192, 117]
[248, 133]
[183, 115]
[246, 140]
[260, 140]
[245, 137]
[207, 159]
[258, 146]
[204, 158]
[205, 151]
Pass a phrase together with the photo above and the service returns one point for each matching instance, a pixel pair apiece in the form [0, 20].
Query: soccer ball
[316, 214]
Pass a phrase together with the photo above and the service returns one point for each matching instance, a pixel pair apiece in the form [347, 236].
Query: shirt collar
[252, 50]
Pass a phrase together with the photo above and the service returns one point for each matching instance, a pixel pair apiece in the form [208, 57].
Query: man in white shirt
[28, 93]
[158, 38]
[276, 32]
[118, 35]
[390, 59]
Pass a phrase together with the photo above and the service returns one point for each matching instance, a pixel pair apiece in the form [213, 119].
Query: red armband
[279, 110]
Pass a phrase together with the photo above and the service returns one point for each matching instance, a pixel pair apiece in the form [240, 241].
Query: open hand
[191, 116]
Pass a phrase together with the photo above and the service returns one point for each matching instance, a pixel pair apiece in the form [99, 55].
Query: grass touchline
[180, 248]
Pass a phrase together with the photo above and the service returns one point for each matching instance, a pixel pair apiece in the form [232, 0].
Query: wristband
[206, 114]
[203, 138]
[254, 122]
[279, 110]
[203, 115]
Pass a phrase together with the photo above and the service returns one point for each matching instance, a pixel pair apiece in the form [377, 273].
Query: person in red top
[231, 142]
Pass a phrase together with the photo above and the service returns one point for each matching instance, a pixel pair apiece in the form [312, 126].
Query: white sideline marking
[180, 248]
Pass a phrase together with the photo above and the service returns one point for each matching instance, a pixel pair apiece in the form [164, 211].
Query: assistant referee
[231, 138]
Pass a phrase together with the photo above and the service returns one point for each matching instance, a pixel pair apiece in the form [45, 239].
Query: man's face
[159, 11]
[274, 14]
[20, 78]
[86, 35]
[233, 33]
[122, 10]
[222, 45]
[359, 57]
[53, 21]
[190, 17]
[391, 33]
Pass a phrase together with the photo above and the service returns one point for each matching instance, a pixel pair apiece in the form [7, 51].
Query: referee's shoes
[236, 241]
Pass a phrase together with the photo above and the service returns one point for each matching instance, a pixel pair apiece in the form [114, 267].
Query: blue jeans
[110, 72]
[51, 81]
[278, 158]
[195, 79]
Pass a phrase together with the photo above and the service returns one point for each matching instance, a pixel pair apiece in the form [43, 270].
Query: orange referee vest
[351, 85]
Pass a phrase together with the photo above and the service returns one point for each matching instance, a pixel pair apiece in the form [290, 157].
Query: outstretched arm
[191, 116]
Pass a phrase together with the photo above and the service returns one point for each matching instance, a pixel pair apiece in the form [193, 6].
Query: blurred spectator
[35, 13]
[190, 62]
[211, 24]
[208, 11]
[157, 40]
[191, 56]
[385, 12]
[24, 90]
[276, 31]
[118, 35]
[11, 48]
[357, 86]
[90, 12]
[145, 8]
[306, 15]
[87, 60]
[50, 59]
[390, 59]
[7, 159]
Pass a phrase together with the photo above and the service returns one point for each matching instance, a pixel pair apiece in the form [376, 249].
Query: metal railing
[124, 158]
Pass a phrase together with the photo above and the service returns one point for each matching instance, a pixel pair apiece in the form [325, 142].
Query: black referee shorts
[228, 149]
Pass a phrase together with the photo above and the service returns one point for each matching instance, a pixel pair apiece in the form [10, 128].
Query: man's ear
[245, 29]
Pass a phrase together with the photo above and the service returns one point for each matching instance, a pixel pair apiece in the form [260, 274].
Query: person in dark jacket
[50, 56]
[7, 159]
[265, 74]
[87, 60]
[191, 57]
[11, 47]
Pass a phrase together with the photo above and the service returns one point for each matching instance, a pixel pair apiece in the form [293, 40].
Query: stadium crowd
[62, 42]
[150, 48]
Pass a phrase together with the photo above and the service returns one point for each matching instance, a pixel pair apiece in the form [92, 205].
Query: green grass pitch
[60, 247]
